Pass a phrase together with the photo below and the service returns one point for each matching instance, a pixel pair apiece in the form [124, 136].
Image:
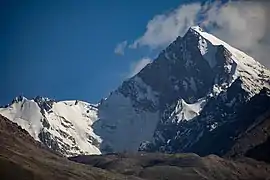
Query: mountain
[199, 90]
[198, 95]
[21, 157]
[63, 126]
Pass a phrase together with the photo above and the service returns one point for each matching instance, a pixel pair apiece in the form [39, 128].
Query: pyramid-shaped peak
[197, 30]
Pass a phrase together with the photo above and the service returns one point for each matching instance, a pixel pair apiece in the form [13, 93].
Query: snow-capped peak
[240, 65]
[65, 126]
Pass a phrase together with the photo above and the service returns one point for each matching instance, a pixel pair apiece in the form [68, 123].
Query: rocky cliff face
[195, 88]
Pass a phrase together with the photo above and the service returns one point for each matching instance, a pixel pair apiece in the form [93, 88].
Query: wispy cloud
[243, 24]
[136, 67]
[164, 28]
[120, 48]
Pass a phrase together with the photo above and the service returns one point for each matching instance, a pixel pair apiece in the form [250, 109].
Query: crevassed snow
[81, 119]
[69, 123]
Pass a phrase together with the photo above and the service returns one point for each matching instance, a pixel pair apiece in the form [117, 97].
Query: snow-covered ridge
[254, 75]
[64, 126]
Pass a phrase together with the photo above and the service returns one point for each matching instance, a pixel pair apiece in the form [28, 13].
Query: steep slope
[254, 141]
[63, 126]
[195, 86]
[230, 127]
[21, 157]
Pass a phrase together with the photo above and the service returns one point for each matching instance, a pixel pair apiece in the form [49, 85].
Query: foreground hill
[178, 166]
[21, 157]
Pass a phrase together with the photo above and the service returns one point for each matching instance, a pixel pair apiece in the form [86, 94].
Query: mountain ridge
[64, 126]
[196, 86]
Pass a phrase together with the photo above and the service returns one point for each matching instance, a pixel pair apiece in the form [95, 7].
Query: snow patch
[184, 111]
[213, 126]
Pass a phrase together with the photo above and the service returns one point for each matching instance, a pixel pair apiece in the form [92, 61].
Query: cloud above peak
[164, 28]
[243, 24]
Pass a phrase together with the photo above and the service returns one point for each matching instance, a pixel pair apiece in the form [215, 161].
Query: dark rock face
[260, 152]
[45, 104]
[221, 140]
[198, 137]
[17, 99]
[253, 142]
[227, 113]
[46, 138]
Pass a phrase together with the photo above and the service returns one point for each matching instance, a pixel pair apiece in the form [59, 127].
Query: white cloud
[164, 28]
[243, 24]
[120, 48]
[136, 67]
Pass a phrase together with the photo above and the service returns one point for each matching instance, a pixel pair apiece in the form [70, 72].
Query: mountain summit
[198, 90]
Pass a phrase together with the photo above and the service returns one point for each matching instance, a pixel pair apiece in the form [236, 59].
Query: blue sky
[65, 49]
